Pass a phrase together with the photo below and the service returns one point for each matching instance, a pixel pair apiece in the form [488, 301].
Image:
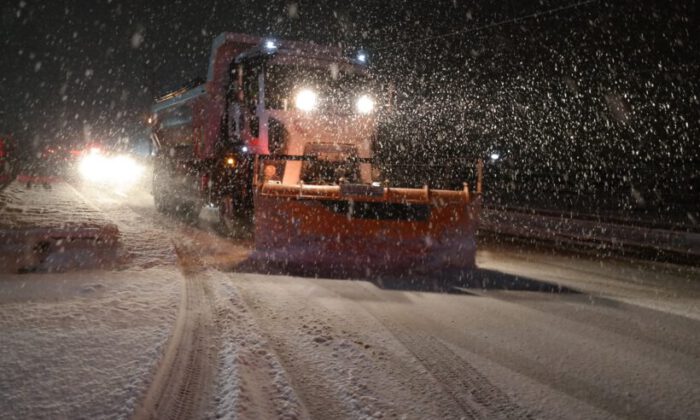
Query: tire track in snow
[253, 383]
[182, 384]
[348, 359]
[183, 379]
[326, 388]
[472, 391]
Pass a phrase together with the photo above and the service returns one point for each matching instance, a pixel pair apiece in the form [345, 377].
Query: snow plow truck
[279, 139]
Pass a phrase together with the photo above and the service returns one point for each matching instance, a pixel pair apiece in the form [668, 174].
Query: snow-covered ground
[175, 330]
[78, 340]
[82, 344]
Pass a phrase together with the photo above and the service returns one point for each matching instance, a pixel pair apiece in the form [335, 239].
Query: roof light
[270, 45]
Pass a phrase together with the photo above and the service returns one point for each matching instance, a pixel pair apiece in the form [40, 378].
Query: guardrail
[548, 226]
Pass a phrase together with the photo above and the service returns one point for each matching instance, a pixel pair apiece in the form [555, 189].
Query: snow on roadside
[650, 285]
[83, 344]
[57, 207]
[53, 229]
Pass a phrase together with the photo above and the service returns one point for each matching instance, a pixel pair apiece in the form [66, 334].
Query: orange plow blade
[363, 230]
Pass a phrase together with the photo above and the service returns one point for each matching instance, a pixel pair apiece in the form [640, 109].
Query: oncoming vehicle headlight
[125, 170]
[117, 170]
[91, 166]
[364, 104]
[306, 100]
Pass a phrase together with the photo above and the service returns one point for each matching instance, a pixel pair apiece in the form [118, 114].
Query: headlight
[92, 166]
[125, 171]
[364, 104]
[119, 171]
[306, 100]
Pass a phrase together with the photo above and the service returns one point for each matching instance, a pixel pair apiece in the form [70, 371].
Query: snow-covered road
[176, 331]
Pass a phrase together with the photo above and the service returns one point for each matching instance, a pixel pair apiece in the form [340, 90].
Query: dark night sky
[67, 64]
[100, 62]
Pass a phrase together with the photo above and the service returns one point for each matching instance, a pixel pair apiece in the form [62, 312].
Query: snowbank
[53, 229]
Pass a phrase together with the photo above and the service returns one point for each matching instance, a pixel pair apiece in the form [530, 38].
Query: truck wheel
[159, 199]
[162, 196]
[160, 206]
[188, 211]
[232, 222]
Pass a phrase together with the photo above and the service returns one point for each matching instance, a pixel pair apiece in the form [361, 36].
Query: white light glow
[118, 171]
[270, 44]
[495, 156]
[364, 104]
[361, 57]
[306, 100]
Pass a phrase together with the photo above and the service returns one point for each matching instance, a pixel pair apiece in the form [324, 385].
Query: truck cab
[308, 110]
[292, 101]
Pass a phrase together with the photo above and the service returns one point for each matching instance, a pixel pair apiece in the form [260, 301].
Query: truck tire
[233, 222]
[165, 199]
[187, 211]
[162, 203]
[173, 201]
